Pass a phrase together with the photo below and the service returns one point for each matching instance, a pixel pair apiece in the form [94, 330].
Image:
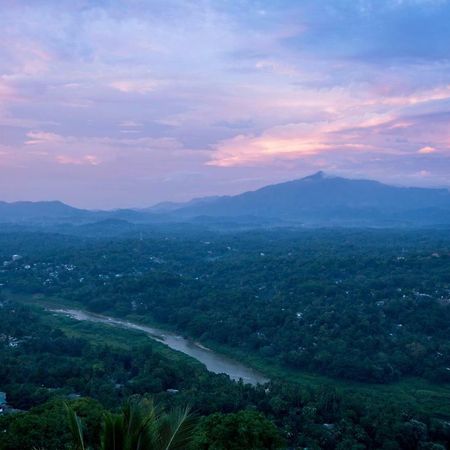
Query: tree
[248, 430]
[140, 426]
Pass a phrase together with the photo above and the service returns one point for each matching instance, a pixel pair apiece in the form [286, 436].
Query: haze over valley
[315, 200]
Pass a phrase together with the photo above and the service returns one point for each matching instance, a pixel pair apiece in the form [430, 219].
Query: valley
[346, 326]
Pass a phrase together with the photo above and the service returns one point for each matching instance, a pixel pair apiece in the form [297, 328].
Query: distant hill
[38, 211]
[167, 207]
[316, 200]
[46, 213]
[326, 200]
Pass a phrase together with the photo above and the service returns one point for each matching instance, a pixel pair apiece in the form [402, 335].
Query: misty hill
[316, 200]
[322, 199]
[38, 211]
[167, 207]
[46, 213]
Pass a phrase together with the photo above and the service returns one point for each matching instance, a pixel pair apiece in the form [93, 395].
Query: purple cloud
[108, 104]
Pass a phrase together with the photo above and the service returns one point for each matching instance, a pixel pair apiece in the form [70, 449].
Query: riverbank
[411, 393]
[213, 361]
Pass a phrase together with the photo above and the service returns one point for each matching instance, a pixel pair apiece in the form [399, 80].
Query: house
[3, 405]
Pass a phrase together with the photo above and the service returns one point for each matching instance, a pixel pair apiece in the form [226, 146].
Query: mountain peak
[320, 175]
[321, 198]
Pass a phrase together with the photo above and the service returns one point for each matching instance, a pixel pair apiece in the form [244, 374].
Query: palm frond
[113, 433]
[140, 426]
[176, 429]
[76, 428]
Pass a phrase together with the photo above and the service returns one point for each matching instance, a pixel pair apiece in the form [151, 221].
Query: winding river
[214, 362]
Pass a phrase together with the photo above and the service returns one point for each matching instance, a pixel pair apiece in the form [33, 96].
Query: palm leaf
[140, 426]
[176, 429]
[113, 433]
[76, 428]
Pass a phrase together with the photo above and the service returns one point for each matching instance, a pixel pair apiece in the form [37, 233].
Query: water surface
[214, 361]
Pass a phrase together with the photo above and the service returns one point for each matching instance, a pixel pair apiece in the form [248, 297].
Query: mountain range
[316, 200]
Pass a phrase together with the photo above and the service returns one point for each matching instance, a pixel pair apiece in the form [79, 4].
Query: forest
[358, 312]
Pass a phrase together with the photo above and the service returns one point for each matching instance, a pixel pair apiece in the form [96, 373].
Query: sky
[125, 103]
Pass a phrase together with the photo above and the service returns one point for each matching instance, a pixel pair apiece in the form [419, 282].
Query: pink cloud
[84, 73]
[29, 58]
[6, 91]
[91, 160]
[427, 150]
[135, 86]
[419, 96]
[245, 150]
[301, 141]
[42, 137]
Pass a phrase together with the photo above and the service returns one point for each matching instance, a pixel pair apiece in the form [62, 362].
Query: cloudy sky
[114, 103]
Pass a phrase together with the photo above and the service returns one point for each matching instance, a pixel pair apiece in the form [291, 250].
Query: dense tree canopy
[364, 306]
[368, 306]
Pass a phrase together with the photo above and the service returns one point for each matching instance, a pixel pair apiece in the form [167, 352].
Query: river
[214, 362]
